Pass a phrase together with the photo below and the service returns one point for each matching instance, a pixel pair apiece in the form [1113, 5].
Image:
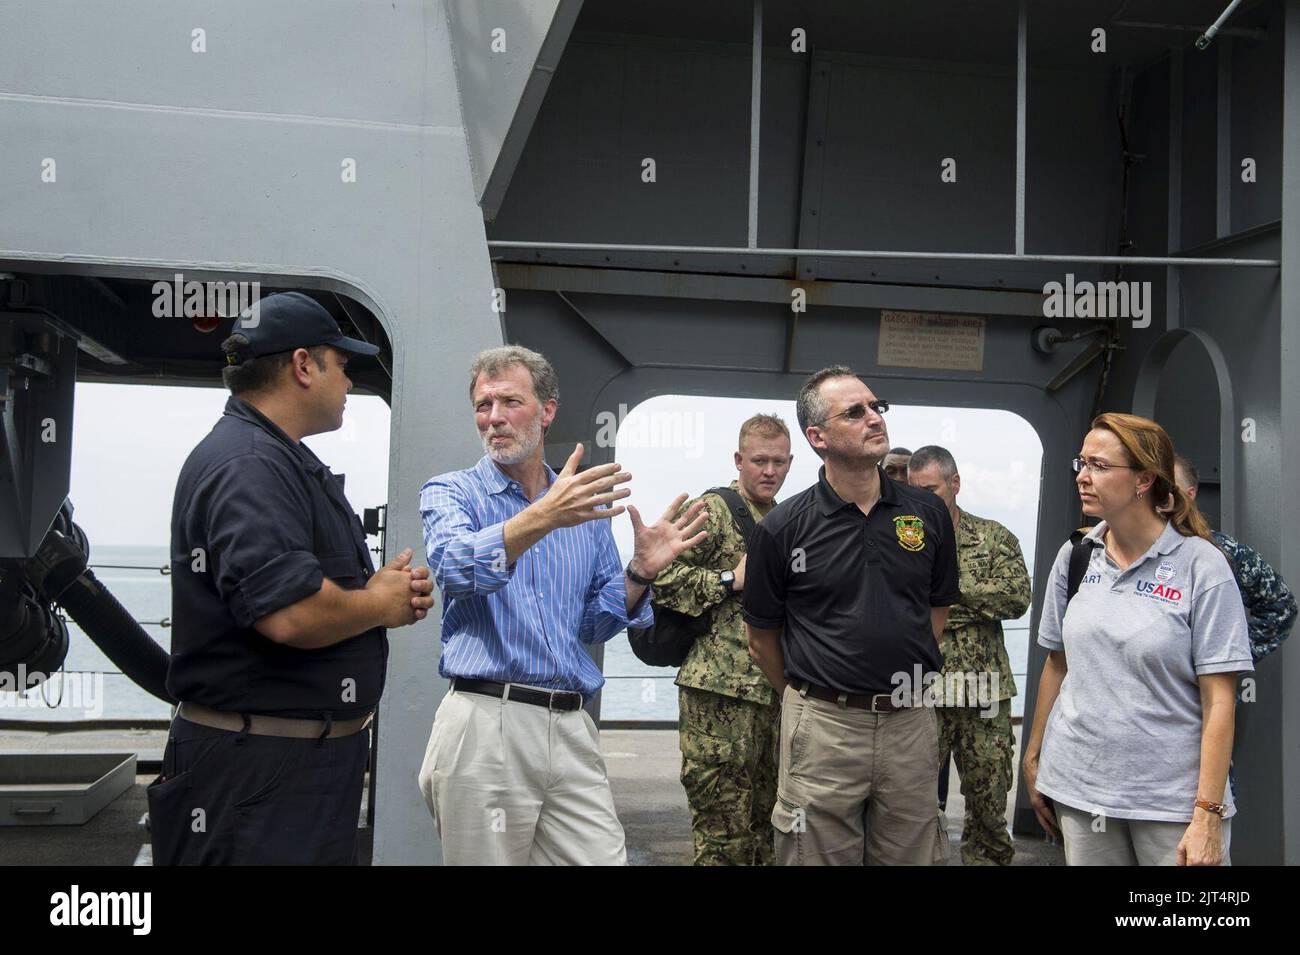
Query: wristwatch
[637, 578]
[1218, 808]
[727, 578]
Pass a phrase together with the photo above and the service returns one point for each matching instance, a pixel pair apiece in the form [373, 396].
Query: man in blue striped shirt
[528, 570]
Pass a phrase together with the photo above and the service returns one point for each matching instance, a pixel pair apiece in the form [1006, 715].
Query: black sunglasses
[857, 412]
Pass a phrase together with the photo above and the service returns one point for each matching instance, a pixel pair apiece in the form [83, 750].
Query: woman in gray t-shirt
[1133, 729]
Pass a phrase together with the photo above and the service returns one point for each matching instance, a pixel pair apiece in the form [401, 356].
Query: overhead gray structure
[502, 81]
[612, 201]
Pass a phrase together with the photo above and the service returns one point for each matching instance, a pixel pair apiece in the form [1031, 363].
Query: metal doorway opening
[684, 443]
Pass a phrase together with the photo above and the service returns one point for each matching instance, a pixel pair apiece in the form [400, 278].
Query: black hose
[58, 574]
[114, 630]
[33, 639]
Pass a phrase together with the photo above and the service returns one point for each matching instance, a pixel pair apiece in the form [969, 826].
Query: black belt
[551, 699]
[876, 702]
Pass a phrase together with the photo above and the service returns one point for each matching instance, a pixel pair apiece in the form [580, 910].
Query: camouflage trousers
[982, 746]
[729, 766]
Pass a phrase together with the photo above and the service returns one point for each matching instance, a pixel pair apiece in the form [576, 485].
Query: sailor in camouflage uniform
[1270, 605]
[974, 697]
[729, 715]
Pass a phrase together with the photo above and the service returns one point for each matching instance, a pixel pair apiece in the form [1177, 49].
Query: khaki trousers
[1094, 840]
[857, 787]
[510, 783]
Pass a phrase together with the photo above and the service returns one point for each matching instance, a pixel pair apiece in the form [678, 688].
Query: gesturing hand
[657, 545]
[577, 498]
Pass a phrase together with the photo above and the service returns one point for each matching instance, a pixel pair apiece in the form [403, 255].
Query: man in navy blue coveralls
[278, 638]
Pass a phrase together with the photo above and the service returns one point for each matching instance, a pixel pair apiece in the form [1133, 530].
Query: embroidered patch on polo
[911, 532]
[1161, 592]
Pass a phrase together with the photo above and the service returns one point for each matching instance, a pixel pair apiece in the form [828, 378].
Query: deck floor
[643, 771]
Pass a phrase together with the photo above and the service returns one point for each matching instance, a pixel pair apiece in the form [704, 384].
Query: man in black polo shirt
[278, 645]
[847, 589]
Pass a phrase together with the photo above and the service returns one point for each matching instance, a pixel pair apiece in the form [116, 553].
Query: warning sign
[928, 340]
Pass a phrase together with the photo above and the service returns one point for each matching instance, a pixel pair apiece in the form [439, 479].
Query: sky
[123, 478]
[686, 444]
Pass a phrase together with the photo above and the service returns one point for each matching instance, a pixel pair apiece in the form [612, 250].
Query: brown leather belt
[272, 725]
[875, 702]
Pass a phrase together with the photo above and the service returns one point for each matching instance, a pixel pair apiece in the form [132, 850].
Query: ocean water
[92, 687]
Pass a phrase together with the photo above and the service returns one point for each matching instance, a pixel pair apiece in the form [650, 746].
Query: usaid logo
[1165, 572]
[1153, 589]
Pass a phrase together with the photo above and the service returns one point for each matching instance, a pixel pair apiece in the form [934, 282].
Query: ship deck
[643, 770]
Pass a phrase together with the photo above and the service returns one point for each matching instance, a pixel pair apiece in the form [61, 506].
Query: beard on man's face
[520, 446]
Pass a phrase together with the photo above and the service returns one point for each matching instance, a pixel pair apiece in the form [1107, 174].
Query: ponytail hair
[1149, 446]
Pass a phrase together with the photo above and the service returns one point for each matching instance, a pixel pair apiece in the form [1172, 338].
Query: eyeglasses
[1098, 467]
[857, 412]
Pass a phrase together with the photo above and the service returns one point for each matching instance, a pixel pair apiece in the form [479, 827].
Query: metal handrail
[497, 244]
[164, 569]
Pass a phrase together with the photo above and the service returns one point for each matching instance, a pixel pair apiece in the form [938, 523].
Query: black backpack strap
[1080, 556]
[739, 510]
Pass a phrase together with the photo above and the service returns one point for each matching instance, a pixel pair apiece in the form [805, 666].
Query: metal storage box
[60, 789]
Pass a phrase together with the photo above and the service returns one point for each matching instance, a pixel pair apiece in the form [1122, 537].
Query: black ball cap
[288, 320]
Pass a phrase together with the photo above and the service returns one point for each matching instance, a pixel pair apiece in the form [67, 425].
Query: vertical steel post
[1022, 57]
[1289, 511]
[755, 111]
[1174, 204]
[1223, 165]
